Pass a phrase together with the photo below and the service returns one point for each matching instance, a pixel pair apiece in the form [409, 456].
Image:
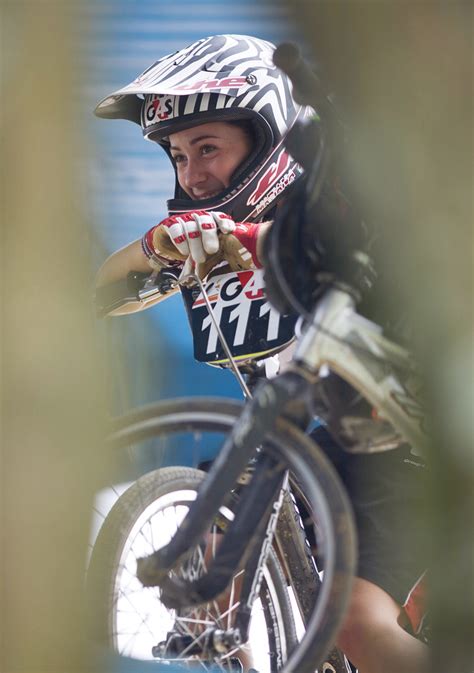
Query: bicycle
[265, 434]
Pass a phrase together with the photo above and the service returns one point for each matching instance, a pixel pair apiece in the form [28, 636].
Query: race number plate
[251, 326]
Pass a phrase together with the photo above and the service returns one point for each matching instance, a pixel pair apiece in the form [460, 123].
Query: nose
[194, 174]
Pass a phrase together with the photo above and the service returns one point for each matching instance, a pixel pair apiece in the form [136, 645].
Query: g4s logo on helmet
[158, 107]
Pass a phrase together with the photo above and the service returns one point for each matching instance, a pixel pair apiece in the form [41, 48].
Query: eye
[207, 149]
[178, 158]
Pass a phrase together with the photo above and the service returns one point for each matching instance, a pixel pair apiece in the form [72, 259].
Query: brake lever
[162, 282]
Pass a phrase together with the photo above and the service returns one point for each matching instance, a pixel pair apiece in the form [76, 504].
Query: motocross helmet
[219, 78]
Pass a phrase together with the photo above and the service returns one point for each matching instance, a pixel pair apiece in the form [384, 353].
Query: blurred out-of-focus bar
[52, 402]
[403, 74]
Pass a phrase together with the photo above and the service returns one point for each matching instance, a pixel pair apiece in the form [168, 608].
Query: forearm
[132, 257]
[118, 266]
[120, 263]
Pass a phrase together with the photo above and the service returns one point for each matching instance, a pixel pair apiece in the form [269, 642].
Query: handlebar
[135, 287]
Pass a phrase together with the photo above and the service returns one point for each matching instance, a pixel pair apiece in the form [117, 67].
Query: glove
[201, 240]
[191, 236]
[241, 247]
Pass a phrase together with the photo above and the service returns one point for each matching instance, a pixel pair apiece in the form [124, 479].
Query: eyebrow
[195, 140]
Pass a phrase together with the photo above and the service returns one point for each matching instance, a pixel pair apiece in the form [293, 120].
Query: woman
[220, 110]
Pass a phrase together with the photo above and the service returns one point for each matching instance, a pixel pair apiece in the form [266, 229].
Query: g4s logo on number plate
[251, 326]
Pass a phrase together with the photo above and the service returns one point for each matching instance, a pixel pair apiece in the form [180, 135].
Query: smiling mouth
[207, 195]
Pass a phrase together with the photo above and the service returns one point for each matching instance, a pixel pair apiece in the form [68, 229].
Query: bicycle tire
[110, 562]
[321, 486]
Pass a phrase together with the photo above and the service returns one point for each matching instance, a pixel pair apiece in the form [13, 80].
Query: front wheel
[199, 423]
[131, 619]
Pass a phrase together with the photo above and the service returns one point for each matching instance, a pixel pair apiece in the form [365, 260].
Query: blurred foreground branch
[51, 403]
[403, 74]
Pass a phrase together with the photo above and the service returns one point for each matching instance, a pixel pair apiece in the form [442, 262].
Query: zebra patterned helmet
[219, 78]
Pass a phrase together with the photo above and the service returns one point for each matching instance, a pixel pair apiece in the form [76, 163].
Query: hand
[193, 237]
[242, 247]
[194, 234]
[196, 239]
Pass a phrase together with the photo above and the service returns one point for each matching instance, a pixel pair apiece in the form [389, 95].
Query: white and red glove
[202, 239]
[241, 247]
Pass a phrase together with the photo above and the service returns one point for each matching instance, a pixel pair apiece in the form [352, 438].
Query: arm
[172, 246]
[163, 245]
[118, 265]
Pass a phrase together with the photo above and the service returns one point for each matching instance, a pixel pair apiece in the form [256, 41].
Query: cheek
[225, 174]
[180, 173]
[234, 158]
[227, 169]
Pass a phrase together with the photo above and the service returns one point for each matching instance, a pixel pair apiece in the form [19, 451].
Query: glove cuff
[248, 236]
[155, 260]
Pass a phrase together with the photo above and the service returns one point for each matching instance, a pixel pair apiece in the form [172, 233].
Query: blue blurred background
[150, 353]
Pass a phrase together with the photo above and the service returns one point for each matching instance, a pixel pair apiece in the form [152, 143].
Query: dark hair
[247, 127]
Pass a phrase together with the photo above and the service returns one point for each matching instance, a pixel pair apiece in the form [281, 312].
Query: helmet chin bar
[226, 201]
[236, 200]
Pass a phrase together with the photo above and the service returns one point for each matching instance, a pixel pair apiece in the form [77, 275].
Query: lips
[205, 196]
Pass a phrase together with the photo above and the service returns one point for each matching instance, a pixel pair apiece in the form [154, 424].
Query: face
[206, 157]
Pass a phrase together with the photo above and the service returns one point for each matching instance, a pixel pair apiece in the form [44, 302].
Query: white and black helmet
[219, 78]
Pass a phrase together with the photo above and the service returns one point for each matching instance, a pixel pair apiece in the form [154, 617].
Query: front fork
[255, 566]
[272, 399]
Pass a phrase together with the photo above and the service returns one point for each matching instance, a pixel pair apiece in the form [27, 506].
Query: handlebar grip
[307, 88]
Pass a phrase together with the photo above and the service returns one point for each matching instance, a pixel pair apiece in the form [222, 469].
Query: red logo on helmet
[213, 84]
[271, 175]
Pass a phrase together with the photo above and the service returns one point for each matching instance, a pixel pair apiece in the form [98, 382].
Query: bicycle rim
[133, 620]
